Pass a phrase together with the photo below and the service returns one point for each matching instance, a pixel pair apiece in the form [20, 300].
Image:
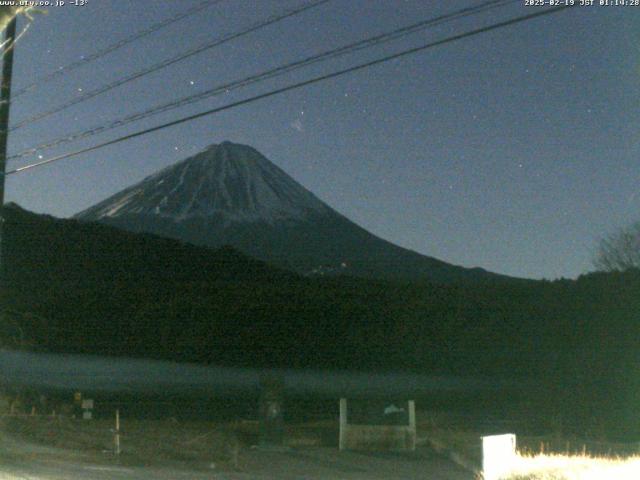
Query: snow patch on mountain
[229, 180]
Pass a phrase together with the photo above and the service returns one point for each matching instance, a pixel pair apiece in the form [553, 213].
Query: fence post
[412, 424]
[343, 424]
[117, 433]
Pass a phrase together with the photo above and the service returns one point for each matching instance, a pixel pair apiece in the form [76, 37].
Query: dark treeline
[88, 288]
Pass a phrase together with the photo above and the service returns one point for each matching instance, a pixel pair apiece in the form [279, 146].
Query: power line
[294, 86]
[154, 68]
[278, 71]
[116, 46]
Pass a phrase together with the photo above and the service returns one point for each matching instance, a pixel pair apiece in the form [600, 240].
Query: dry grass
[142, 442]
[549, 457]
[574, 467]
[150, 442]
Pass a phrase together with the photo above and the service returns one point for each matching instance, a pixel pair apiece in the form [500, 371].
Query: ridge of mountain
[230, 194]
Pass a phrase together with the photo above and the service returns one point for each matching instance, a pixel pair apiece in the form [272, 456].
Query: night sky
[514, 150]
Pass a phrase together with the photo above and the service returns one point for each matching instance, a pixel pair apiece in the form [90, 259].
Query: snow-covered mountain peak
[229, 180]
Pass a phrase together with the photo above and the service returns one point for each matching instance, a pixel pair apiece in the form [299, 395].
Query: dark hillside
[94, 289]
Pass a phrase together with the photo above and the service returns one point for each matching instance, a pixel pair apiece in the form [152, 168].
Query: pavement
[309, 463]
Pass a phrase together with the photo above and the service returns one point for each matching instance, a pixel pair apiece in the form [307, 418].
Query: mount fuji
[230, 194]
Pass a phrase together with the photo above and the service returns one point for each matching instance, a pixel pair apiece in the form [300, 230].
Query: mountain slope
[230, 194]
[232, 182]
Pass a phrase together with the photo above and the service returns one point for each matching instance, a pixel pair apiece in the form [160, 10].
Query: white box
[498, 455]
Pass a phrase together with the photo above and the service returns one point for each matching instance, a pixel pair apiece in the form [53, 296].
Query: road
[316, 463]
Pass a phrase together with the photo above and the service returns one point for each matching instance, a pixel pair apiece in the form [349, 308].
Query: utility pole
[5, 105]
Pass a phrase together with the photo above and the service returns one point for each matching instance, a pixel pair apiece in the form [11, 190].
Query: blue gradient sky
[515, 150]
